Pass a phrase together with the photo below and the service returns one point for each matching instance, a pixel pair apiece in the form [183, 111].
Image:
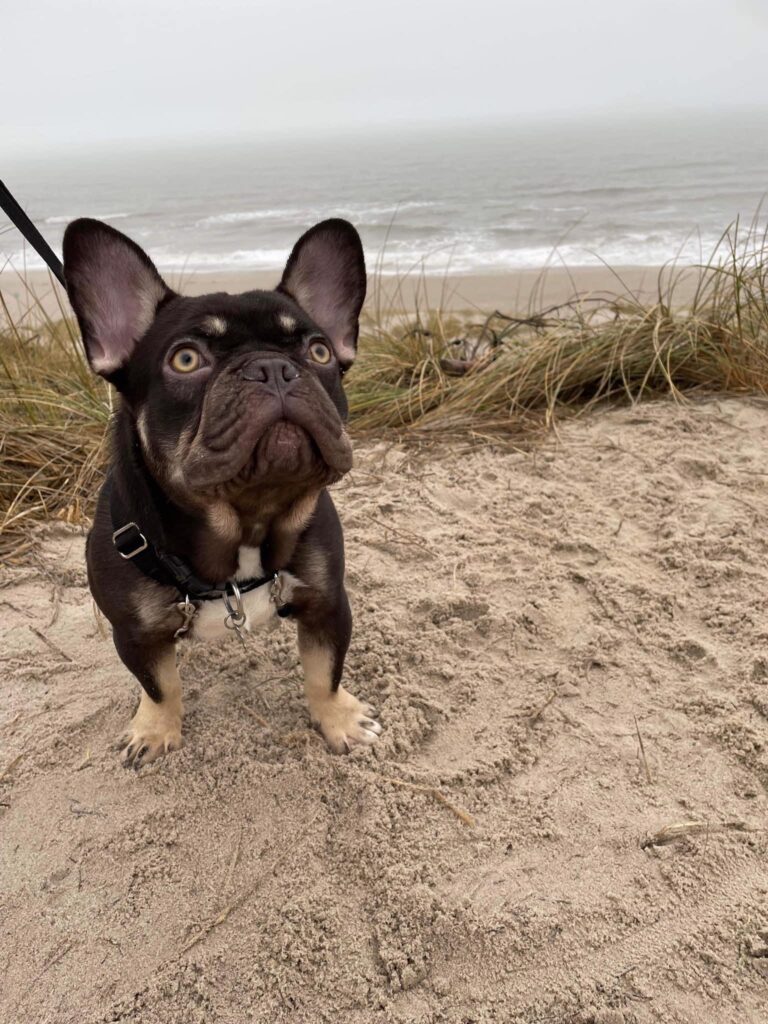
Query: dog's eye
[186, 360]
[320, 352]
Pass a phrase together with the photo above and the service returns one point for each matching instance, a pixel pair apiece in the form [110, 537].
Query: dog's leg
[343, 720]
[156, 727]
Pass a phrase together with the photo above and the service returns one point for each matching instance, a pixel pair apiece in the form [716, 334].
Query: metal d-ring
[236, 617]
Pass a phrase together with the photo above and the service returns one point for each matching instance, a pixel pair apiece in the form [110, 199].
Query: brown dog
[214, 516]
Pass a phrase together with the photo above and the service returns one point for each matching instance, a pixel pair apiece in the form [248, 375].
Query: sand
[523, 619]
[512, 291]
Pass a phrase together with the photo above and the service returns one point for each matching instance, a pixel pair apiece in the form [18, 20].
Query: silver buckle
[131, 554]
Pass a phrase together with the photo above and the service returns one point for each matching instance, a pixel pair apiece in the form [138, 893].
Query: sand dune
[520, 619]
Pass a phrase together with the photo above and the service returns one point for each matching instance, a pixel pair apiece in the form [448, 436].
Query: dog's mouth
[284, 447]
[274, 438]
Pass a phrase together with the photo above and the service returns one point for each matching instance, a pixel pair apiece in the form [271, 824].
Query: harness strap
[170, 570]
[19, 218]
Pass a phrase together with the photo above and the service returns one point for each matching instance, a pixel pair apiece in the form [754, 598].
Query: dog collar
[132, 544]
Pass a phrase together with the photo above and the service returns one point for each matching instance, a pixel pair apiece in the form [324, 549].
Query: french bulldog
[214, 517]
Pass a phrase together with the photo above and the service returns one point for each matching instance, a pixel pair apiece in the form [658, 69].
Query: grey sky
[89, 70]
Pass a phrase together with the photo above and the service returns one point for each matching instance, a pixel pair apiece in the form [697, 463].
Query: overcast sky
[81, 71]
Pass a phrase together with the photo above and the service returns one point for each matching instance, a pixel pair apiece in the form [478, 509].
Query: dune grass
[424, 375]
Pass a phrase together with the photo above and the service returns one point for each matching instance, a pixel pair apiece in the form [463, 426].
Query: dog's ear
[114, 289]
[325, 275]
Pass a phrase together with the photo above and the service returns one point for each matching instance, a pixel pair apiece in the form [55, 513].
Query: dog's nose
[273, 372]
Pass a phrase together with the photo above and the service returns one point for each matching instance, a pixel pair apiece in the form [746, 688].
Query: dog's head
[227, 391]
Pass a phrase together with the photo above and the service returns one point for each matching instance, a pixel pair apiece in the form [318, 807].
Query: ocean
[468, 199]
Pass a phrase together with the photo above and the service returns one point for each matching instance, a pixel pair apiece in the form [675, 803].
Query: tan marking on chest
[299, 514]
[224, 521]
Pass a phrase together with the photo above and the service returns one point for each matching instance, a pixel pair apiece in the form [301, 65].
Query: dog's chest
[258, 607]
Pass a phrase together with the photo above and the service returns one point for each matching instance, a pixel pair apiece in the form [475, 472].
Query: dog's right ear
[114, 289]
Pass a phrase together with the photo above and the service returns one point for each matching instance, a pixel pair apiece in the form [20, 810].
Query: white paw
[344, 721]
[154, 731]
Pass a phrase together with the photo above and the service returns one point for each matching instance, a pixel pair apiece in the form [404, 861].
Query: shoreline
[512, 291]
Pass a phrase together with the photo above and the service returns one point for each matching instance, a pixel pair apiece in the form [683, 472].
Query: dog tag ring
[236, 617]
[188, 611]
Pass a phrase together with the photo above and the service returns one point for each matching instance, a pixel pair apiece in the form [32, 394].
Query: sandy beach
[555, 521]
[564, 820]
[513, 291]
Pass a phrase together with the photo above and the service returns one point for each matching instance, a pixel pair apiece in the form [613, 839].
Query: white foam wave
[99, 216]
[468, 257]
[363, 214]
[246, 216]
[457, 256]
[240, 259]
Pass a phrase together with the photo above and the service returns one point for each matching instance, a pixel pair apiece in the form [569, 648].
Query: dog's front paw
[154, 730]
[344, 721]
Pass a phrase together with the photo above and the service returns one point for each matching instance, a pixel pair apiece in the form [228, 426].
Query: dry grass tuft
[53, 418]
[424, 375]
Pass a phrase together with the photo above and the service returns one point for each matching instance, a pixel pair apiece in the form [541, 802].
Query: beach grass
[426, 375]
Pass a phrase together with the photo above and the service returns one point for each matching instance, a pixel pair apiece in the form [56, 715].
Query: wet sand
[514, 291]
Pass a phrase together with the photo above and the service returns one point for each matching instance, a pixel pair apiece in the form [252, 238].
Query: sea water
[466, 198]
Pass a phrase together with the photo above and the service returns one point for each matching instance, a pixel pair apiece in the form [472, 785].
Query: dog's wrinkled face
[232, 391]
[228, 392]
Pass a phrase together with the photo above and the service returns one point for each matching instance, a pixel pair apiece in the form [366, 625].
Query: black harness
[170, 570]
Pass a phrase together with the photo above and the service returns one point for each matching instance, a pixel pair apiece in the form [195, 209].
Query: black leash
[17, 216]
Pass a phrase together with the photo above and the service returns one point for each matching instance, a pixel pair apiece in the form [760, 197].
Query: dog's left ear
[325, 275]
[115, 290]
